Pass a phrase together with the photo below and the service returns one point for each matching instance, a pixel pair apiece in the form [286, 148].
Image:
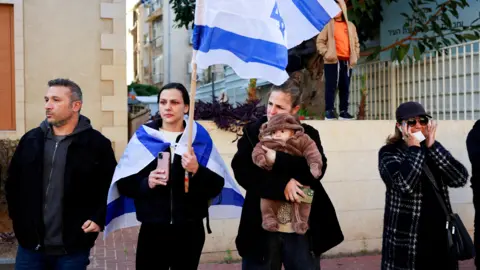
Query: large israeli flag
[143, 148]
[253, 36]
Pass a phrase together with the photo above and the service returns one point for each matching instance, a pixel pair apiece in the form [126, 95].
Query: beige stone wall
[351, 180]
[80, 40]
[113, 74]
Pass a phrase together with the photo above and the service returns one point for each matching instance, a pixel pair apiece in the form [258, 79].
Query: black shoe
[344, 115]
[330, 115]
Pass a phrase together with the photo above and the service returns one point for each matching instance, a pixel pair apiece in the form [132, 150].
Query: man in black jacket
[473, 148]
[58, 183]
[262, 250]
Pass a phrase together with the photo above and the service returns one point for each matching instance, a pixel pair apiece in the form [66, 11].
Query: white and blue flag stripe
[142, 149]
[253, 36]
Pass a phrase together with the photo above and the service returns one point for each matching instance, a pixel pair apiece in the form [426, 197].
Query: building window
[7, 68]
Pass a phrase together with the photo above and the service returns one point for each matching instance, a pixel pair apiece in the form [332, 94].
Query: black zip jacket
[89, 167]
[170, 204]
[324, 232]
[473, 148]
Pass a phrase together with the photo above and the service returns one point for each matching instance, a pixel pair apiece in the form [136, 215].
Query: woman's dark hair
[290, 87]
[180, 87]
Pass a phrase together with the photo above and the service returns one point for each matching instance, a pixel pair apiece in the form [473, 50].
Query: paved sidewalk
[118, 253]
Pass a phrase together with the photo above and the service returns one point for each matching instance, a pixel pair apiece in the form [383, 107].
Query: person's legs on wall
[331, 76]
[344, 89]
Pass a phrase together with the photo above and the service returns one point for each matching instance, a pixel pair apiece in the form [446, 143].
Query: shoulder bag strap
[437, 190]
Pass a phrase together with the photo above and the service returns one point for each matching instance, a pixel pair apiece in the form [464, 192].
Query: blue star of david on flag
[276, 16]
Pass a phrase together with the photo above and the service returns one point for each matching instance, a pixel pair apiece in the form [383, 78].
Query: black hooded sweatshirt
[54, 157]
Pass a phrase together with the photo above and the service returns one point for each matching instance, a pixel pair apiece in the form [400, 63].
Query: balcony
[154, 11]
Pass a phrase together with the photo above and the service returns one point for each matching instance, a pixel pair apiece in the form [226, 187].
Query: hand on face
[408, 136]
[431, 131]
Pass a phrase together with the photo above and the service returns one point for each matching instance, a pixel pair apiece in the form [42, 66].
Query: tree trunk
[252, 90]
[313, 87]
[362, 112]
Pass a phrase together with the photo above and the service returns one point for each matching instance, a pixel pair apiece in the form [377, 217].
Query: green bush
[143, 89]
[7, 148]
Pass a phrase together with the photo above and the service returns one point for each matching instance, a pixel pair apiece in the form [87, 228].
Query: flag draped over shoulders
[142, 149]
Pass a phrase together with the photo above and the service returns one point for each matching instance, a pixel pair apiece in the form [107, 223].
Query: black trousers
[176, 247]
[337, 75]
[290, 249]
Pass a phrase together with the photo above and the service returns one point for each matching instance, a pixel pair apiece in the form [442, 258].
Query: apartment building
[157, 51]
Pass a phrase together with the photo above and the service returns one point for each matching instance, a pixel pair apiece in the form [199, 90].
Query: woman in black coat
[172, 234]
[269, 250]
[414, 233]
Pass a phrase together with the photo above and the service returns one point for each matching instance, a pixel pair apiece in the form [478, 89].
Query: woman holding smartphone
[172, 234]
[414, 234]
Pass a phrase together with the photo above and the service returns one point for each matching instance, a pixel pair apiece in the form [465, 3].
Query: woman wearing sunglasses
[414, 234]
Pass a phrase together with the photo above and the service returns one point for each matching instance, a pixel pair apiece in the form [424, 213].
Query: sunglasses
[413, 121]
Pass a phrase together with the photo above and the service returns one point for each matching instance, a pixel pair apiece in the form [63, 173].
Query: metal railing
[446, 82]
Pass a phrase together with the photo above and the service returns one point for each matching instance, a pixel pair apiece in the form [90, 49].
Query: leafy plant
[362, 110]
[228, 257]
[7, 149]
[227, 117]
[143, 89]
[430, 28]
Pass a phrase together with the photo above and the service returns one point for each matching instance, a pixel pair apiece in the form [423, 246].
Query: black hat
[410, 109]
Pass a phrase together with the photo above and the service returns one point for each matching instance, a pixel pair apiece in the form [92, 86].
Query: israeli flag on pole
[142, 149]
[253, 36]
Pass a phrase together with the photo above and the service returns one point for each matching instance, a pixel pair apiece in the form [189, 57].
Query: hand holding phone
[308, 195]
[160, 175]
[412, 139]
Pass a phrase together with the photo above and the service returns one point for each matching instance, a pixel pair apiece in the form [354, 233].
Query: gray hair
[74, 88]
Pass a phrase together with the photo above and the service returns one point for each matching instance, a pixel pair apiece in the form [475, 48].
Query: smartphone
[419, 135]
[163, 162]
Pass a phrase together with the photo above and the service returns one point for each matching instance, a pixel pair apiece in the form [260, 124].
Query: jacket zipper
[51, 172]
[37, 248]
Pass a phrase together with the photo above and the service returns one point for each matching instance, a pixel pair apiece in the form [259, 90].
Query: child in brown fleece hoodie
[284, 133]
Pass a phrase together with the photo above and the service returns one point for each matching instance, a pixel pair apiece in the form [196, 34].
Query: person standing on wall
[473, 148]
[339, 46]
[58, 183]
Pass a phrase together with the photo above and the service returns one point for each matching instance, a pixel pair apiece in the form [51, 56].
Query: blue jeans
[290, 249]
[34, 260]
